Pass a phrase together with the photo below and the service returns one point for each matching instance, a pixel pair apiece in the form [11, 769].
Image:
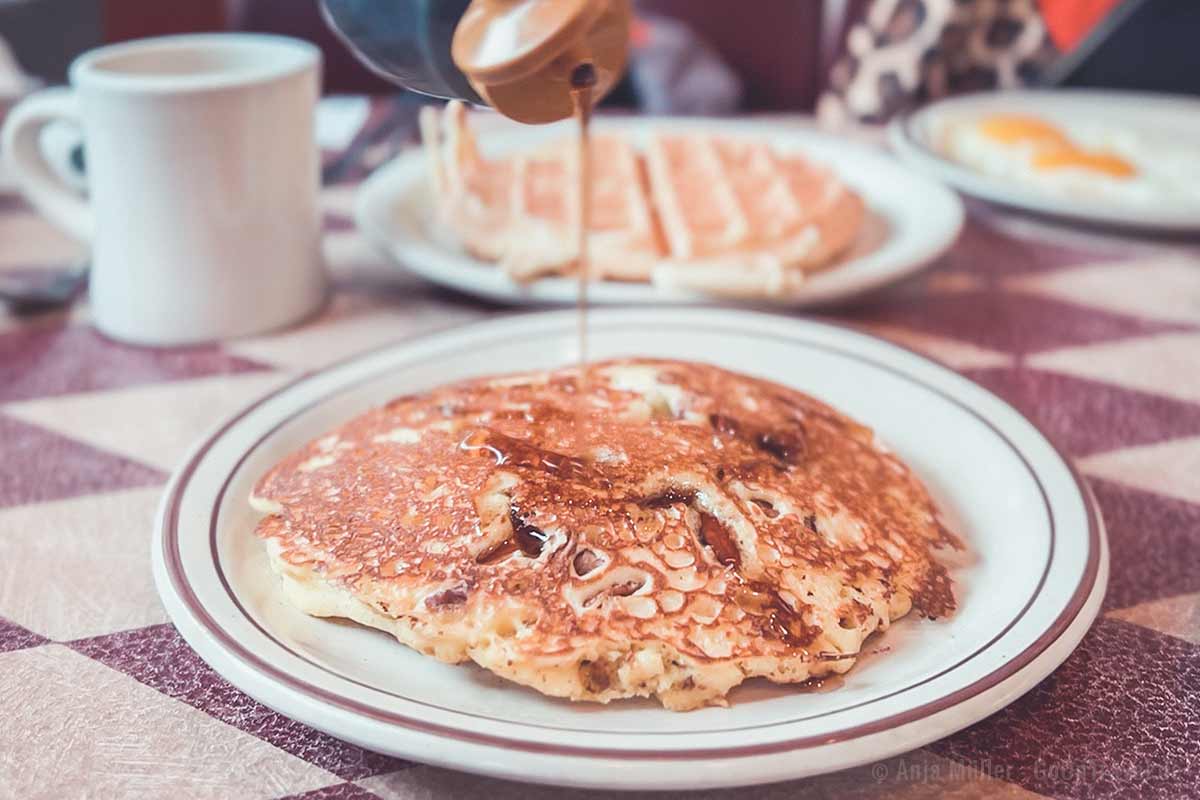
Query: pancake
[680, 529]
[723, 215]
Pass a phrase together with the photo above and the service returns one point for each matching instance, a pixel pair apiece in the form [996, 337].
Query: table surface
[1095, 337]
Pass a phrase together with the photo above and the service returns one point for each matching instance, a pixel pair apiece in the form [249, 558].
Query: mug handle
[23, 156]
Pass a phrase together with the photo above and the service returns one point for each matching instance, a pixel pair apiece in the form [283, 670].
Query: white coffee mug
[202, 173]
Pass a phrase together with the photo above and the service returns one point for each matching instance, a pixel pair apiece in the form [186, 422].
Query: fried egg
[1077, 160]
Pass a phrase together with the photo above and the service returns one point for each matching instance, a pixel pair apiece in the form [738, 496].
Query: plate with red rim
[911, 219]
[1028, 586]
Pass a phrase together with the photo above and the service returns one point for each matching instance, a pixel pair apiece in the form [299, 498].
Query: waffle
[692, 528]
[725, 216]
[519, 211]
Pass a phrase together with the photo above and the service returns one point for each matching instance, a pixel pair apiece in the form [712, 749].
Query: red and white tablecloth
[1096, 337]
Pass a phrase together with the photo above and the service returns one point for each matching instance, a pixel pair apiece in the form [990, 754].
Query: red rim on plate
[176, 574]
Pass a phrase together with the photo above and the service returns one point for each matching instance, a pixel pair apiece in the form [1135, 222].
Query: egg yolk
[1013, 128]
[1053, 149]
[1067, 158]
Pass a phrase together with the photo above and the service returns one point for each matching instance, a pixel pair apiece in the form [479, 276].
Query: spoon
[30, 291]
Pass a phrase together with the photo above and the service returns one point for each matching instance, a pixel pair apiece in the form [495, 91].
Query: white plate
[912, 219]
[914, 138]
[1028, 590]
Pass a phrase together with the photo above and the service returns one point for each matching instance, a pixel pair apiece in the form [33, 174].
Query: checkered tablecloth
[1095, 337]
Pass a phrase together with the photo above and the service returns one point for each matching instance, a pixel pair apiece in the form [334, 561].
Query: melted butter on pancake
[703, 528]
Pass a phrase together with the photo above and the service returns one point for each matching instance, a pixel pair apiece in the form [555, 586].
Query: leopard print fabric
[904, 52]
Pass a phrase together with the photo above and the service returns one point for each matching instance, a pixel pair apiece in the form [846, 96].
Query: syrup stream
[583, 78]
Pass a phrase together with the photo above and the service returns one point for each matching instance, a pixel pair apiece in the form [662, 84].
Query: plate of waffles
[683, 211]
[738, 549]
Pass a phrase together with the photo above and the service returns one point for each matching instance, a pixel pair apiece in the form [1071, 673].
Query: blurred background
[864, 59]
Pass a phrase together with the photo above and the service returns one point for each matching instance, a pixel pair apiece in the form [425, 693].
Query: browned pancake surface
[678, 529]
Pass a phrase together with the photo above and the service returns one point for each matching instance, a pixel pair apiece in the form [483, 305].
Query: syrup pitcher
[517, 56]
